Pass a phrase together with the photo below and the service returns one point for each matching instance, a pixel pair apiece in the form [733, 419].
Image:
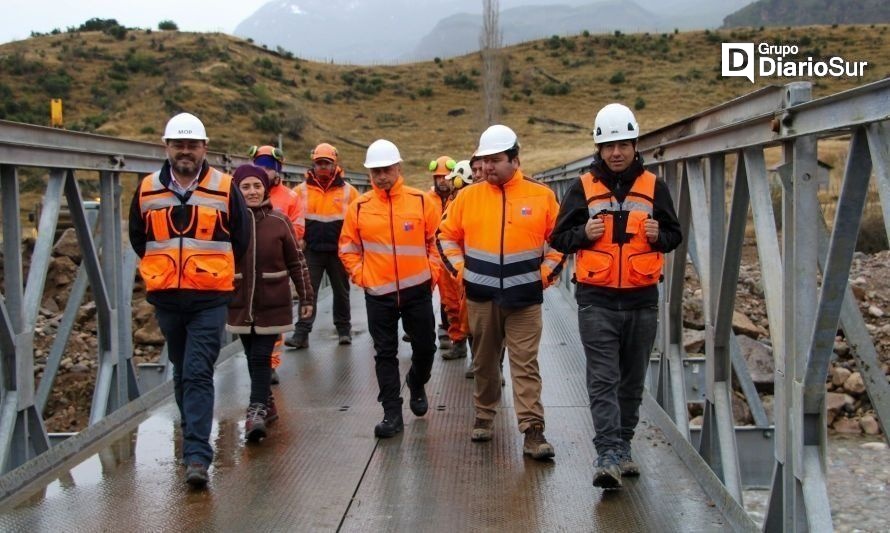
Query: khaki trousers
[493, 327]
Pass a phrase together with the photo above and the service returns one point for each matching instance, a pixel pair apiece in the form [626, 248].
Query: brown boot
[535, 443]
[482, 429]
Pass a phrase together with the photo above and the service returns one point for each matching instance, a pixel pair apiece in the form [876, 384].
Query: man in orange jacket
[452, 333]
[285, 200]
[493, 237]
[325, 197]
[387, 246]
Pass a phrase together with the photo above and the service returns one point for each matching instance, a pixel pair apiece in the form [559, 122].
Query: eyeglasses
[256, 151]
[450, 164]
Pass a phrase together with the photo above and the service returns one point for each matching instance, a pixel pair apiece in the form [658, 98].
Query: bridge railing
[107, 269]
[805, 269]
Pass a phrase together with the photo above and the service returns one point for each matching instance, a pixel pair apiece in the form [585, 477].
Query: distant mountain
[459, 34]
[809, 12]
[386, 31]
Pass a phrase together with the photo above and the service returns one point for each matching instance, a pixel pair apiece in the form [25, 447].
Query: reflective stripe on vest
[630, 264]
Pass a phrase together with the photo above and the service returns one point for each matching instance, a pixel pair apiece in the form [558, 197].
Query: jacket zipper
[503, 230]
[253, 269]
[395, 257]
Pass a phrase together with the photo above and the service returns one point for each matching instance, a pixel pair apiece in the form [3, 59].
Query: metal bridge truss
[804, 313]
[108, 269]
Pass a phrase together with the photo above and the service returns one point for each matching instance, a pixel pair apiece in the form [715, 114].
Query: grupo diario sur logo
[783, 61]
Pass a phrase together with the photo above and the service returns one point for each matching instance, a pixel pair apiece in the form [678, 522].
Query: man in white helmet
[493, 239]
[188, 224]
[387, 247]
[619, 221]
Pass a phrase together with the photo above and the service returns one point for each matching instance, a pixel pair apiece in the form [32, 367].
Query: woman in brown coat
[261, 308]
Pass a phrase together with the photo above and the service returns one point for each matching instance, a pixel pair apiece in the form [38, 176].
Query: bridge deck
[322, 468]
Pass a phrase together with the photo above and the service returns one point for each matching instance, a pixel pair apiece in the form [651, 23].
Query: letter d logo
[738, 60]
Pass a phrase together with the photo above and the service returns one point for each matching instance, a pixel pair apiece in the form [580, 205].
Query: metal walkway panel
[322, 469]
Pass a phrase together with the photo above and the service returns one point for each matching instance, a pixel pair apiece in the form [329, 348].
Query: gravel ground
[858, 485]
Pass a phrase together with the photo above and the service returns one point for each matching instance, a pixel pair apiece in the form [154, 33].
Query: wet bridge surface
[322, 469]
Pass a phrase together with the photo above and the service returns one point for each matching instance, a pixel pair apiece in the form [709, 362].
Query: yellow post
[55, 108]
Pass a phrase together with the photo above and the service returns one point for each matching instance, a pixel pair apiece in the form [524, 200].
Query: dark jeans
[416, 312]
[258, 349]
[617, 345]
[319, 263]
[193, 343]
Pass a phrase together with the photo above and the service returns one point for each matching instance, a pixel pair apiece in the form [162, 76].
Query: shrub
[553, 89]
[460, 81]
[148, 130]
[97, 24]
[640, 103]
[425, 92]
[56, 84]
[141, 62]
[617, 78]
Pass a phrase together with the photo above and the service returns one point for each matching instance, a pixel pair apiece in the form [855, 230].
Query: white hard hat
[461, 175]
[496, 139]
[185, 126]
[615, 122]
[382, 153]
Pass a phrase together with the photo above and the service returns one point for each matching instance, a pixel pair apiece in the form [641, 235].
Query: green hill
[129, 84]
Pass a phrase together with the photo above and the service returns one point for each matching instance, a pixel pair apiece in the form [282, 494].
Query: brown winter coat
[262, 298]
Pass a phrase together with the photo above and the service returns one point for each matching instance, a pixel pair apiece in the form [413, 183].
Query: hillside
[128, 87]
[808, 12]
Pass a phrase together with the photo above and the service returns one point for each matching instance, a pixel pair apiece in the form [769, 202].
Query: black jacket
[568, 236]
[239, 230]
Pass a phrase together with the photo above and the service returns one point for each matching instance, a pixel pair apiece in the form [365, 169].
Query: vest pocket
[644, 268]
[213, 272]
[594, 267]
[158, 271]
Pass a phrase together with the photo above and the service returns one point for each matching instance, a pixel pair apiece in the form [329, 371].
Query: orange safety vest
[323, 211]
[387, 240]
[199, 257]
[632, 264]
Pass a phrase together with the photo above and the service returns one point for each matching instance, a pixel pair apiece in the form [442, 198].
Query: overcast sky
[18, 18]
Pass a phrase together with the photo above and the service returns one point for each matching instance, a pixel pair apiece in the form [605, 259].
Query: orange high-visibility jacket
[324, 209]
[288, 202]
[199, 257]
[437, 200]
[494, 238]
[388, 239]
[610, 262]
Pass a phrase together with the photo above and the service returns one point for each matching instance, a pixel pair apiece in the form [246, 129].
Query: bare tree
[490, 41]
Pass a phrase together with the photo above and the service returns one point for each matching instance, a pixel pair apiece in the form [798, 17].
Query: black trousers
[258, 349]
[617, 345]
[415, 307]
[319, 264]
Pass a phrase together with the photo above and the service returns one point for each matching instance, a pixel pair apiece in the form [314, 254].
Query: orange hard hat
[442, 165]
[325, 151]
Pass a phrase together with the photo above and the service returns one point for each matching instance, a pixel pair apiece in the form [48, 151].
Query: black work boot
[418, 402]
[389, 426]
